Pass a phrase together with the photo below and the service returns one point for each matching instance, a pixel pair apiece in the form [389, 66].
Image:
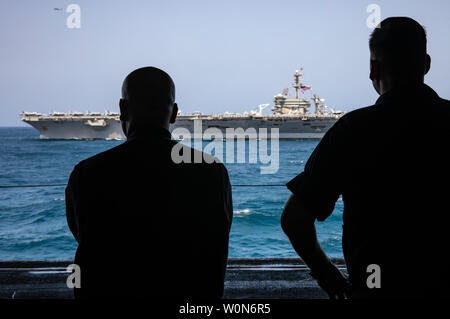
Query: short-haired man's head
[400, 45]
[148, 90]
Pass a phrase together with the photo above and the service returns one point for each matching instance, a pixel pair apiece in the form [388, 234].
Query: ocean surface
[33, 223]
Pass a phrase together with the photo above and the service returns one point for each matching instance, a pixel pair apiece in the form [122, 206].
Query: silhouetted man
[390, 162]
[145, 225]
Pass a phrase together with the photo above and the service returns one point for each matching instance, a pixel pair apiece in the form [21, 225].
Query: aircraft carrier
[290, 114]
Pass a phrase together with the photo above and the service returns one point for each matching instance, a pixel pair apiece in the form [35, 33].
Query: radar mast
[297, 81]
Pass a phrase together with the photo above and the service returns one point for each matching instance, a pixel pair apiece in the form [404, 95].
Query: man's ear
[427, 63]
[173, 117]
[374, 69]
[123, 105]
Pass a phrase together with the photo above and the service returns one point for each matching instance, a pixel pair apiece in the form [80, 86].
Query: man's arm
[221, 214]
[297, 222]
[227, 199]
[71, 204]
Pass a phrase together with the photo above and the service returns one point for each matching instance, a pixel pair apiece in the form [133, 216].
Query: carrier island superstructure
[289, 114]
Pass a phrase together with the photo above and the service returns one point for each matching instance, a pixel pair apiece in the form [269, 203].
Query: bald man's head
[150, 86]
[148, 99]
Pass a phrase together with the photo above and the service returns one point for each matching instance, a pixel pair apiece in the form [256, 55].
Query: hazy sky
[222, 55]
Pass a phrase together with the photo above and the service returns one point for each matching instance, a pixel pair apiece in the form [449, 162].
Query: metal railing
[61, 185]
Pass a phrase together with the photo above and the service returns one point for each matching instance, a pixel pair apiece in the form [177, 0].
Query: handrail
[258, 185]
[60, 185]
[24, 186]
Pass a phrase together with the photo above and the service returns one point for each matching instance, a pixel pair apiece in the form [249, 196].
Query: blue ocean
[33, 223]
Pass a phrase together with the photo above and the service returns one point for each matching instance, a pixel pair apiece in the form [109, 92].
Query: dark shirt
[147, 226]
[391, 164]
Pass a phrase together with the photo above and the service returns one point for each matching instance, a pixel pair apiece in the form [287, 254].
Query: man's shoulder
[444, 107]
[355, 119]
[190, 162]
[102, 158]
[359, 114]
[365, 116]
[184, 154]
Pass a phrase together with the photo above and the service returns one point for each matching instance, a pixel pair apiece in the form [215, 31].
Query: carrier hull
[77, 129]
[110, 129]
[282, 127]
